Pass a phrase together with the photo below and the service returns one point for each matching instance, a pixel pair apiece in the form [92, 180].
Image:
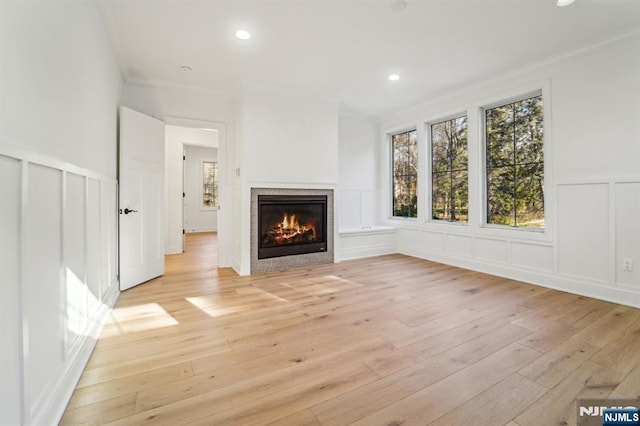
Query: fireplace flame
[289, 229]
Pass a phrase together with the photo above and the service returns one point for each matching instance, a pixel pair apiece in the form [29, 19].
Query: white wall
[288, 137]
[59, 93]
[196, 217]
[285, 140]
[182, 106]
[592, 152]
[358, 170]
[359, 231]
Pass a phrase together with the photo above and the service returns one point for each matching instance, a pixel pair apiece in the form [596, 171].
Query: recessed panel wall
[369, 207]
[532, 256]
[628, 234]
[434, 241]
[583, 231]
[458, 245]
[10, 314]
[75, 250]
[43, 282]
[95, 253]
[351, 204]
[109, 237]
[491, 250]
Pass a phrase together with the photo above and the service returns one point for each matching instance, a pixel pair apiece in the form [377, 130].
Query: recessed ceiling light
[399, 5]
[243, 35]
[563, 3]
[186, 68]
[394, 77]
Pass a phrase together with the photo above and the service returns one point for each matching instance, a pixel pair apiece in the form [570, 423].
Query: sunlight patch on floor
[204, 304]
[137, 318]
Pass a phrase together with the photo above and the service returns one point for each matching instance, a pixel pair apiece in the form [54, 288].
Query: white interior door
[141, 178]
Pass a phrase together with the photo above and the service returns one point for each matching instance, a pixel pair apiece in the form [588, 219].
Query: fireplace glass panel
[290, 225]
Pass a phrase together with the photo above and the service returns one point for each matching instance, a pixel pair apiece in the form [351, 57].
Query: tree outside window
[405, 174]
[515, 164]
[449, 170]
[209, 184]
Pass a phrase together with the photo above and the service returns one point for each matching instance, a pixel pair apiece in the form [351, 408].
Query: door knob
[127, 211]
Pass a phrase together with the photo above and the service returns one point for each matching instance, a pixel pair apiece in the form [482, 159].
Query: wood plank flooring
[381, 341]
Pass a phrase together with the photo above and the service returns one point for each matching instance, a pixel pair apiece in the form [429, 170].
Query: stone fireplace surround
[287, 262]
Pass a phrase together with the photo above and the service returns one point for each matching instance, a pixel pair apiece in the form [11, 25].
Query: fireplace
[291, 225]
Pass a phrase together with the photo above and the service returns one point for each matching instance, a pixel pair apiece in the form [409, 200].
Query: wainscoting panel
[373, 241]
[459, 245]
[491, 250]
[95, 253]
[44, 292]
[109, 239]
[75, 262]
[583, 231]
[433, 241]
[350, 205]
[627, 195]
[369, 208]
[595, 230]
[10, 308]
[532, 256]
[59, 278]
[357, 209]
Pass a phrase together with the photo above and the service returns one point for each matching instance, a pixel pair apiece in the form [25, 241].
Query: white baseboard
[201, 229]
[542, 278]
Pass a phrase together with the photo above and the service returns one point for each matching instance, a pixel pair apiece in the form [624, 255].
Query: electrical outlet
[627, 264]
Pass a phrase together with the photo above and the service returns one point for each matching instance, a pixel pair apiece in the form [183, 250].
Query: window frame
[429, 169]
[391, 203]
[216, 185]
[484, 222]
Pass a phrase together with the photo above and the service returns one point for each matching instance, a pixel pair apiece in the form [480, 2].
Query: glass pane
[449, 170]
[405, 174]
[499, 136]
[515, 164]
[460, 192]
[440, 196]
[209, 184]
[530, 196]
[500, 191]
[529, 130]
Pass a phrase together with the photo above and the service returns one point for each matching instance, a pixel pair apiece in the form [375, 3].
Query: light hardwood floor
[381, 341]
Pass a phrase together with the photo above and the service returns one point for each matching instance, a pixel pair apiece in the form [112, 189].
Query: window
[405, 174]
[449, 170]
[209, 184]
[515, 164]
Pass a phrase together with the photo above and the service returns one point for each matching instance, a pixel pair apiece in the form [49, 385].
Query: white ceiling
[345, 49]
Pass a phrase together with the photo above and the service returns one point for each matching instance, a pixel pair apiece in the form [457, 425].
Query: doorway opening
[194, 151]
[200, 185]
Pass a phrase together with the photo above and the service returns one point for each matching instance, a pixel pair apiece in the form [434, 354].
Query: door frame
[224, 194]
